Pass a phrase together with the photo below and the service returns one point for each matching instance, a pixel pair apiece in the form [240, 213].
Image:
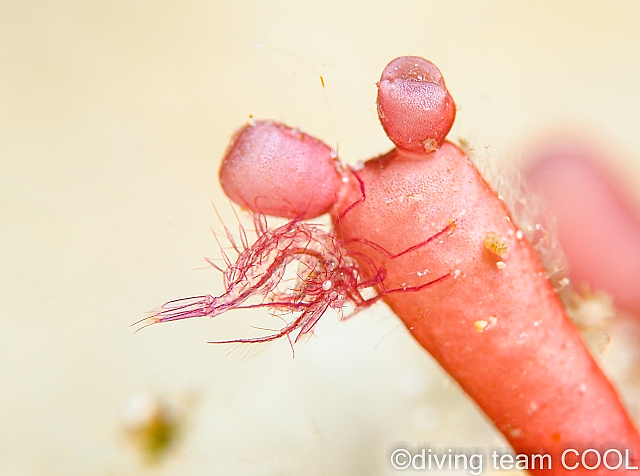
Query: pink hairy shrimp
[326, 277]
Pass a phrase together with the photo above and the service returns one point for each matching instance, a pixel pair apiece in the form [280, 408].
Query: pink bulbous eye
[414, 106]
[270, 168]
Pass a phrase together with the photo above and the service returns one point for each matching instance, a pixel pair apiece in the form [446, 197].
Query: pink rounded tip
[414, 106]
[276, 170]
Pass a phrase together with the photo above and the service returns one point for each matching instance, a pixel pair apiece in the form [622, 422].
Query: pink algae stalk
[495, 323]
[498, 328]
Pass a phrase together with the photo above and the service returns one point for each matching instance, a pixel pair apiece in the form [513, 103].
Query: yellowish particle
[496, 243]
[480, 325]
[154, 427]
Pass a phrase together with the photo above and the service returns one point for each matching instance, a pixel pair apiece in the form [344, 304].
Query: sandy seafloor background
[113, 119]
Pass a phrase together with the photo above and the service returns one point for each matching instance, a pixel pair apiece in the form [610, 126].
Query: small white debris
[519, 235]
[456, 274]
[564, 282]
[515, 432]
[327, 285]
[501, 265]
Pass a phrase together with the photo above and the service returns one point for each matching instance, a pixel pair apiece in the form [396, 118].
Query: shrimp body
[325, 277]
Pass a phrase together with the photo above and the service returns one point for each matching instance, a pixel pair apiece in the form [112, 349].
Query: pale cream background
[113, 119]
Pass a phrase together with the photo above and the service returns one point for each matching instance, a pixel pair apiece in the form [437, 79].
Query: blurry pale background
[113, 119]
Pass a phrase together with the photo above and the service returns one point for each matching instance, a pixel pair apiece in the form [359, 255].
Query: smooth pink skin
[414, 106]
[597, 228]
[530, 372]
[277, 170]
